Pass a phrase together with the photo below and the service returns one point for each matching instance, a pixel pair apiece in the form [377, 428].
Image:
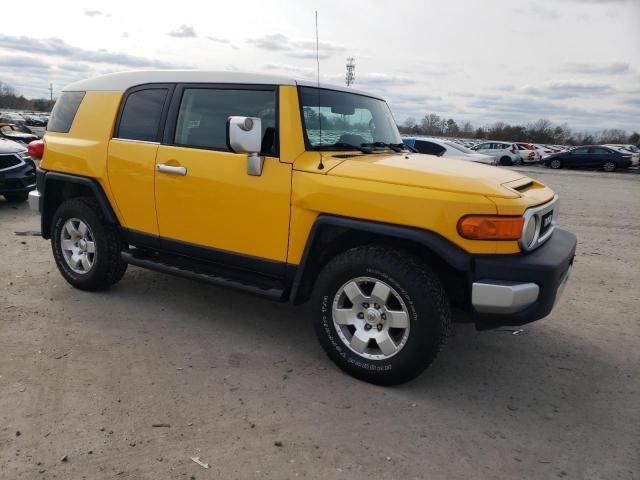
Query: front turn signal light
[488, 227]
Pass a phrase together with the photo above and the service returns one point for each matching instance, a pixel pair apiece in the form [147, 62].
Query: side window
[484, 146]
[580, 151]
[600, 151]
[140, 119]
[428, 147]
[64, 111]
[202, 119]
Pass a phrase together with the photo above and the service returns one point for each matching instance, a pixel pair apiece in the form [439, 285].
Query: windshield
[346, 119]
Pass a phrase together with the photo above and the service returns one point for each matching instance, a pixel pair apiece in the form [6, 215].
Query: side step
[254, 284]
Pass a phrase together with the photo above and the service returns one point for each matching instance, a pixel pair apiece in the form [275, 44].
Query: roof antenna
[320, 165]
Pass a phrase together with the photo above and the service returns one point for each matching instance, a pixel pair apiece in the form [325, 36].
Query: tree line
[541, 131]
[9, 98]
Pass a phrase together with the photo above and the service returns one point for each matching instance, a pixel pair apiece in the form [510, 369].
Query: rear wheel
[85, 247]
[609, 166]
[555, 163]
[16, 197]
[380, 314]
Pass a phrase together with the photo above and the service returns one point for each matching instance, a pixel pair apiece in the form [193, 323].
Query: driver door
[207, 205]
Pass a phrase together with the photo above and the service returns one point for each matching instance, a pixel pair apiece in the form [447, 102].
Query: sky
[569, 61]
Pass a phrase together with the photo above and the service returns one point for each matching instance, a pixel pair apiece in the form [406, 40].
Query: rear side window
[429, 148]
[140, 118]
[64, 111]
[202, 119]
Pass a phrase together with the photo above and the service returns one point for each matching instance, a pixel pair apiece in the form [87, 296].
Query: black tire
[555, 163]
[108, 267]
[505, 161]
[609, 166]
[419, 288]
[16, 197]
[519, 161]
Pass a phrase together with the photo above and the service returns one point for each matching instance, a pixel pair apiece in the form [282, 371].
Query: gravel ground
[242, 383]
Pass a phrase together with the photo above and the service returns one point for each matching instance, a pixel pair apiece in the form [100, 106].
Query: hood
[8, 146]
[428, 171]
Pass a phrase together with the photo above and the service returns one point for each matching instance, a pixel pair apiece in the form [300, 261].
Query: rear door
[600, 155]
[132, 155]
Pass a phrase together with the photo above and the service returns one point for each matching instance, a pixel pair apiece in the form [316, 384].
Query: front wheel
[609, 166]
[85, 247]
[380, 314]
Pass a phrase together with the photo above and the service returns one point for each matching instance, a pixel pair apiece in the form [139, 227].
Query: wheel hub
[371, 318]
[78, 245]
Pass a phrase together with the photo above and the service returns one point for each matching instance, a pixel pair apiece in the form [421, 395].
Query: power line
[351, 69]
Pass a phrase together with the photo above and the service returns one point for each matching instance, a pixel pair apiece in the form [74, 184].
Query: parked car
[528, 152]
[10, 117]
[545, 150]
[17, 133]
[447, 148]
[506, 153]
[17, 171]
[626, 149]
[590, 156]
[380, 240]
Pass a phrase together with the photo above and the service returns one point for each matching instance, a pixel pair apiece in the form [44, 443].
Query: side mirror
[244, 135]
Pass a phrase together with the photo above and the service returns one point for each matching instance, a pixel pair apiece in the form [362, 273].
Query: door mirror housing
[244, 135]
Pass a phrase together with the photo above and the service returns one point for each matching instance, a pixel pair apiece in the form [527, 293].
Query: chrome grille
[545, 217]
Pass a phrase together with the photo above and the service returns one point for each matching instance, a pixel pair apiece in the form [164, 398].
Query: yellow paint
[218, 205]
[131, 176]
[270, 216]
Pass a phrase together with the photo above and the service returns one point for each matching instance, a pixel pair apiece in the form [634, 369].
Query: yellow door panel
[216, 204]
[130, 167]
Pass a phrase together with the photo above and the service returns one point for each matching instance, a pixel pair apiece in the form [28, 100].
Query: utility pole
[351, 69]
[51, 91]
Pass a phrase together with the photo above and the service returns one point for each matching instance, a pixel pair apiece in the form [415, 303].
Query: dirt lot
[86, 376]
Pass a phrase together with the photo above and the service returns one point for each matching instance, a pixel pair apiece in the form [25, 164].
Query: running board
[254, 284]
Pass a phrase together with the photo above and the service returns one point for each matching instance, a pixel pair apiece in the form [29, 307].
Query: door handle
[161, 167]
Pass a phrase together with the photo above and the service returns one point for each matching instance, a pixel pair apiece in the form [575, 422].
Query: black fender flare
[451, 254]
[44, 180]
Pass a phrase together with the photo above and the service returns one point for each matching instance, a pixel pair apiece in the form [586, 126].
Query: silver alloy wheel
[78, 245]
[555, 163]
[371, 318]
[609, 166]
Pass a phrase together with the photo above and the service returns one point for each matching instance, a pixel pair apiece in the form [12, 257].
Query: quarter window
[202, 119]
[429, 148]
[141, 115]
[64, 111]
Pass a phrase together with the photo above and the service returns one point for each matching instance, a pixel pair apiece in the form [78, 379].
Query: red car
[528, 152]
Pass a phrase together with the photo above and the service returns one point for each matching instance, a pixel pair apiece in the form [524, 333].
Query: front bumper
[20, 179]
[518, 289]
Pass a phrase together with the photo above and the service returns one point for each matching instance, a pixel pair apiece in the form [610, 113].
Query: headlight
[529, 231]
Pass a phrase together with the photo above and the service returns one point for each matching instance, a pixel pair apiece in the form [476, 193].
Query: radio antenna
[320, 165]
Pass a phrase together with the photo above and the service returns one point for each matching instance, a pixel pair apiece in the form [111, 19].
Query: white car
[507, 153]
[447, 148]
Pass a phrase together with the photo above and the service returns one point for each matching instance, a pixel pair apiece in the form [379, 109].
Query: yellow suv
[295, 191]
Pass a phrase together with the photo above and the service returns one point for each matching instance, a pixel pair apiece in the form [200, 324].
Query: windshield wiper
[390, 146]
[343, 146]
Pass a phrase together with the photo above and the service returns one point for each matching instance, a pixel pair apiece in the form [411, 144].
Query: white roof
[121, 81]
